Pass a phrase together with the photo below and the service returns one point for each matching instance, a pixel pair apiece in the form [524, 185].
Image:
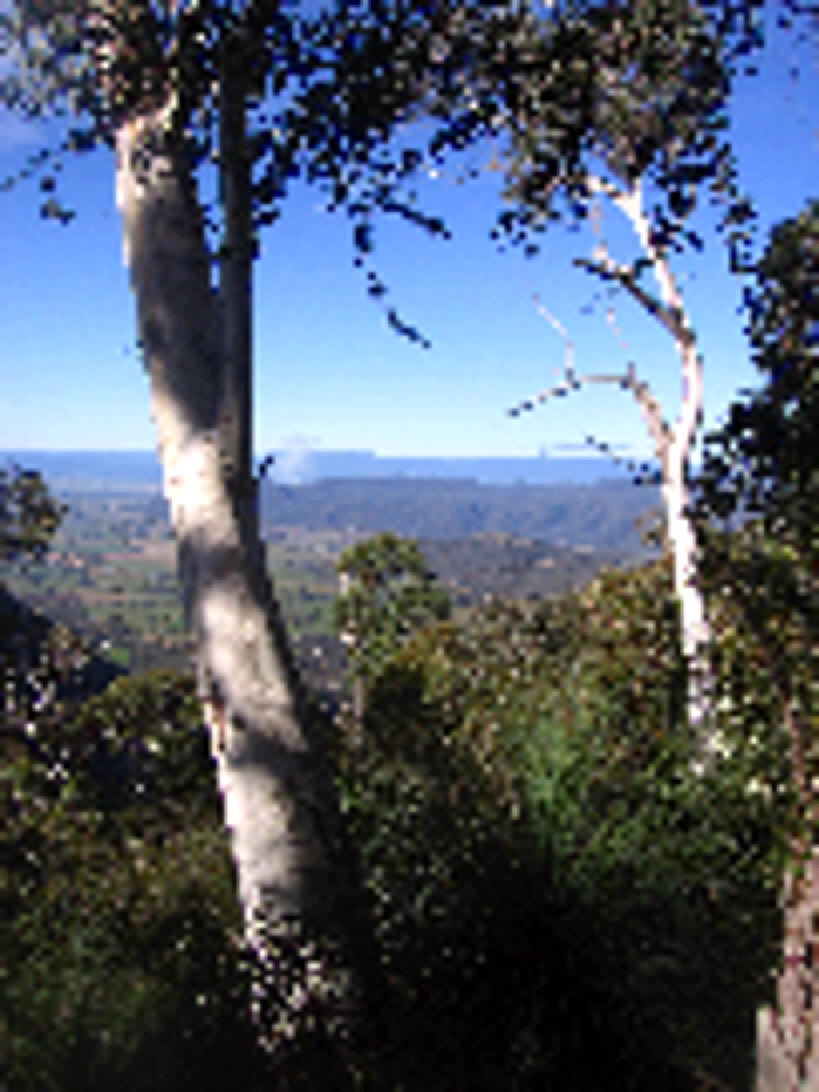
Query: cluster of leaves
[762, 463]
[636, 90]
[761, 594]
[551, 881]
[763, 457]
[121, 951]
[640, 88]
[390, 593]
[29, 515]
[124, 960]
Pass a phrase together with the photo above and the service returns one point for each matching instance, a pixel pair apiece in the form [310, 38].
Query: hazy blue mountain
[139, 469]
[587, 501]
[90, 469]
[599, 515]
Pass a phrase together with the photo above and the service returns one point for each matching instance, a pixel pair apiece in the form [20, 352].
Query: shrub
[122, 955]
[560, 902]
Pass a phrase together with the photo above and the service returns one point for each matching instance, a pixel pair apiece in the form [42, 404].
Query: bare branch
[658, 427]
[672, 311]
[669, 317]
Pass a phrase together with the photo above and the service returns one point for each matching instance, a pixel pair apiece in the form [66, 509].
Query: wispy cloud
[293, 464]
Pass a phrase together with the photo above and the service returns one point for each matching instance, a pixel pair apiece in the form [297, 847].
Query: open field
[111, 575]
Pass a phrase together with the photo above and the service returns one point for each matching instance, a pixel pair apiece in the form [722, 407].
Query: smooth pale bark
[296, 876]
[694, 628]
[672, 446]
[349, 638]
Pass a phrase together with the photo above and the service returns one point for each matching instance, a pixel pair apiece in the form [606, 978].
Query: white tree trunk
[294, 869]
[674, 453]
[694, 629]
[235, 289]
[674, 448]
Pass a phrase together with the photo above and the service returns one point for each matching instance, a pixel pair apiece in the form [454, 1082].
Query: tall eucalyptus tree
[577, 103]
[627, 102]
[146, 79]
[579, 95]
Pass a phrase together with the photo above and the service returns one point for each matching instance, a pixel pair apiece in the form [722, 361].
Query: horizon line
[579, 453]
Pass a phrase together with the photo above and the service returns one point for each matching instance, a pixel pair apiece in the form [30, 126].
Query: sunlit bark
[296, 877]
[672, 446]
[788, 1035]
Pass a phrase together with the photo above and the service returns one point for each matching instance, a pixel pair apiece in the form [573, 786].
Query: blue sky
[329, 372]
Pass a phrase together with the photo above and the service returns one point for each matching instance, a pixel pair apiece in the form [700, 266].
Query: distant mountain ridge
[136, 469]
[600, 516]
[590, 510]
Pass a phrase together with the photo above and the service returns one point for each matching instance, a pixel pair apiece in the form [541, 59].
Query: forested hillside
[601, 516]
[557, 827]
[110, 572]
[520, 771]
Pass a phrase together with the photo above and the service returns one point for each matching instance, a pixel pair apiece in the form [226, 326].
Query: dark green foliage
[763, 461]
[391, 593]
[124, 964]
[122, 947]
[140, 751]
[766, 582]
[29, 515]
[560, 902]
[764, 457]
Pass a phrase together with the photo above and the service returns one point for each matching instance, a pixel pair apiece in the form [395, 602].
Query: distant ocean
[131, 469]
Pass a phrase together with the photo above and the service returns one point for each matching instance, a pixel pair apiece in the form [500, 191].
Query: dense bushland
[559, 902]
[120, 898]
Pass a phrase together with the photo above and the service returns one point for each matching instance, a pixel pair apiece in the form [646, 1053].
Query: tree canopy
[29, 514]
[581, 98]
[361, 98]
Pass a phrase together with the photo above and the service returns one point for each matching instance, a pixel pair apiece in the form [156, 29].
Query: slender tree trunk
[788, 1036]
[673, 446]
[297, 880]
[675, 451]
[694, 628]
